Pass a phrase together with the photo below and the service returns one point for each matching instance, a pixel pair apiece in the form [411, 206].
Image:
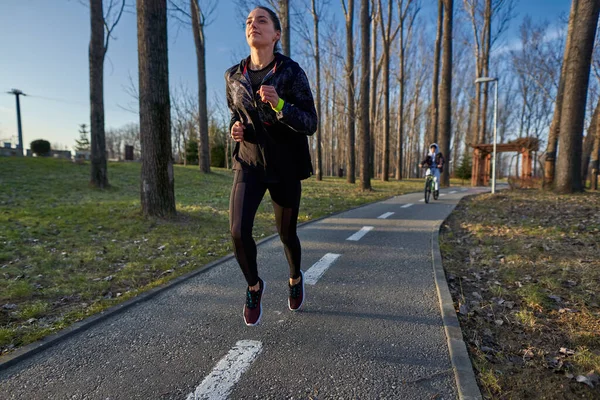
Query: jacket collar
[280, 59]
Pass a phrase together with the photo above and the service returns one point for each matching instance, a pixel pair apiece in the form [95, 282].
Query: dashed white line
[219, 383]
[422, 200]
[407, 205]
[384, 216]
[442, 194]
[314, 273]
[452, 192]
[358, 235]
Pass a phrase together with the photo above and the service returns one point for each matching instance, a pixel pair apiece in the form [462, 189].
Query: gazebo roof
[521, 144]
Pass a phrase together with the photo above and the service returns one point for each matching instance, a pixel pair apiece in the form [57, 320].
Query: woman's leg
[246, 195]
[285, 197]
[436, 178]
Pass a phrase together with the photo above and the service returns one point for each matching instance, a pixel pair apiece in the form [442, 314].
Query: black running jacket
[275, 143]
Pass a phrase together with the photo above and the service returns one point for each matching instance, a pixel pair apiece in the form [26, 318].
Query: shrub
[40, 147]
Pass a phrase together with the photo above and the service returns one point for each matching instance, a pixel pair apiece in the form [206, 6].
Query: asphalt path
[370, 328]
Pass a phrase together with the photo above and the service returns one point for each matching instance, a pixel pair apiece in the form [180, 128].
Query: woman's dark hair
[275, 19]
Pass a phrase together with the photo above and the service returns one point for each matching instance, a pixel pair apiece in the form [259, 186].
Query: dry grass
[524, 272]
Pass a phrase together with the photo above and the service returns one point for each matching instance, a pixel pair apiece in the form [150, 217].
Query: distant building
[81, 156]
[66, 154]
[9, 151]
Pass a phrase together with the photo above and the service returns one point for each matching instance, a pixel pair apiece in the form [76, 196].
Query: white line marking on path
[422, 200]
[452, 192]
[358, 235]
[442, 194]
[218, 384]
[407, 205]
[314, 273]
[384, 216]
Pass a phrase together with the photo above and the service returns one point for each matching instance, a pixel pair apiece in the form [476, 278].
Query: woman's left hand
[268, 94]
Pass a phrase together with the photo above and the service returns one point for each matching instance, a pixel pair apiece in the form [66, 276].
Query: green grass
[69, 250]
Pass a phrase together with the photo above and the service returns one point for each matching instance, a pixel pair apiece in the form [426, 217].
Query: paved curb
[461, 363]
[31, 349]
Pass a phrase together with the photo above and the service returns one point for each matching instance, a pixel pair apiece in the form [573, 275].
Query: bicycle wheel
[427, 189]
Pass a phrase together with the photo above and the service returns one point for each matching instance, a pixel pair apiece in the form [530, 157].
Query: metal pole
[20, 145]
[495, 132]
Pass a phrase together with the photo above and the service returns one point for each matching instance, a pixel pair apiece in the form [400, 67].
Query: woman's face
[260, 30]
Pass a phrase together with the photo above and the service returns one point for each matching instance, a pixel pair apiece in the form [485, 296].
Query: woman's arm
[233, 116]
[299, 111]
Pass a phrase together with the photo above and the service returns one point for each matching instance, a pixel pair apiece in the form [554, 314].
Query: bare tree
[198, 17]
[483, 17]
[350, 153]
[445, 129]
[433, 128]
[100, 24]
[550, 161]
[577, 71]
[157, 180]
[316, 12]
[588, 144]
[595, 158]
[365, 20]
[407, 10]
[387, 37]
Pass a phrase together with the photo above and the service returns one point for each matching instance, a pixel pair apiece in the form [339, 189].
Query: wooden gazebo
[482, 158]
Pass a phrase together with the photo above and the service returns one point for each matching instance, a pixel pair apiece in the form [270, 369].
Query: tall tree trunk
[365, 176]
[486, 44]
[446, 93]
[550, 159]
[400, 116]
[157, 180]
[386, 39]
[351, 153]
[331, 138]
[595, 157]
[97, 50]
[433, 129]
[568, 178]
[284, 16]
[588, 144]
[319, 160]
[373, 89]
[203, 140]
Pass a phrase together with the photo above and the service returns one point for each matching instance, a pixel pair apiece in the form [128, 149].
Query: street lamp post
[495, 80]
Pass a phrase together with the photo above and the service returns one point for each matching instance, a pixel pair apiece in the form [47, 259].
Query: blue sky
[44, 52]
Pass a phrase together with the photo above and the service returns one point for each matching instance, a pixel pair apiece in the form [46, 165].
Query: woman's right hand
[237, 131]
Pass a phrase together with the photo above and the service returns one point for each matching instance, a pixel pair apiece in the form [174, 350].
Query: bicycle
[429, 185]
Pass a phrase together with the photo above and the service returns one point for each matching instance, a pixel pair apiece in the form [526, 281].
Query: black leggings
[246, 194]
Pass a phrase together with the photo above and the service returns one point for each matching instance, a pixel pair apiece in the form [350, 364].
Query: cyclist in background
[435, 162]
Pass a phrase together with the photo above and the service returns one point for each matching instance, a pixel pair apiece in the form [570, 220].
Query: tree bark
[446, 93]
[373, 89]
[550, 159]
[386, 39]
[595, 157]
[351, 152]
[365, 176]
[486, 44]
[203, 140]
[319, 158]
[433, 129]
[588, 144]
[157, 180]
[581, 44]
[97, 51]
